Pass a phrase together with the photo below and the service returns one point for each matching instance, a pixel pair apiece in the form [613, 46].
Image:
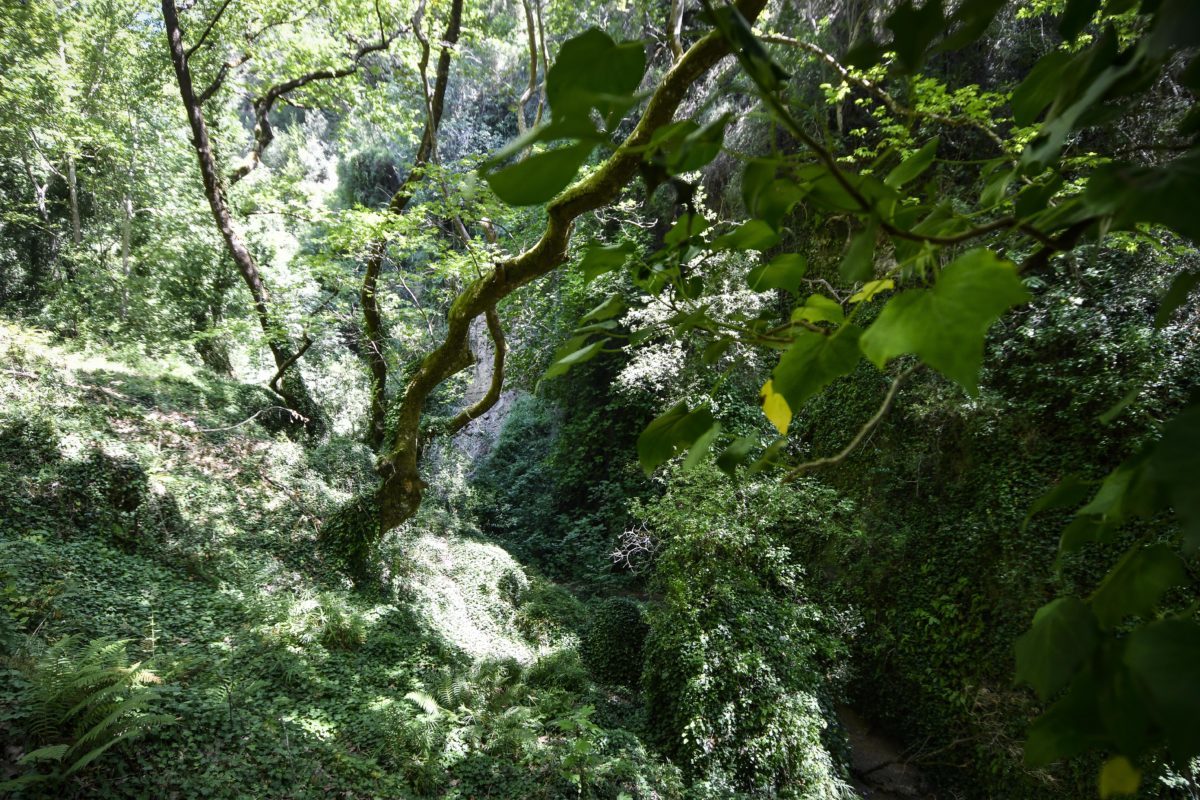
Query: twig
[295, 415]
[869, 426]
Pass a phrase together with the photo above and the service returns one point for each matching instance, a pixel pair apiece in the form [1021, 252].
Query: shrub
[613, 641]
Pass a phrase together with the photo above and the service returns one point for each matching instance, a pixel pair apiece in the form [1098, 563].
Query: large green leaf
[1163, 195]
[1137, 583]
[858, 263]
[913, 30]
[593, 71]
[813, 361]
[599, 259]
[913, 166]
[750, 235]
[539, 177]
[1174, 466]
[672, 433]
[945, 326]
[785, 271]
[1064, 633]
[1164, 658]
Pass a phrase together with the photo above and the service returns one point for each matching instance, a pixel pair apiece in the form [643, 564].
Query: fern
[82, 699]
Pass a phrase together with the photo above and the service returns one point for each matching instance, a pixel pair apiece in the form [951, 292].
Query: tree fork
[373, 330]
[294, 393]
[401, 487]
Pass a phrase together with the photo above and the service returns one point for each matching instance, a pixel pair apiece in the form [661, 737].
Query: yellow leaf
[1118, 776]
[776, 408]
[872, 288]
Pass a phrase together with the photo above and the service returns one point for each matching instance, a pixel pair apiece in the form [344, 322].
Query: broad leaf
[1164, 657]
[539, 177]
[1137, 583]
[599, 259]
[1174, 465]
[672, 433]
[564, 363]
[751, 235]
[1119, 777]
[813, 361]
[872, 288]
[913, 166]
[858, 263]
[819, 308]
[945, 326]
[593, 71]
[1063, 635]
[785, 271]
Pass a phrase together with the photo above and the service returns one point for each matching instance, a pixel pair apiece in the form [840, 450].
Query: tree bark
[373, 328]
[293, 392]
[401, 488]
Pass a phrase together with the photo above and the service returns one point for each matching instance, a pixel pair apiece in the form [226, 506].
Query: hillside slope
[142, 502]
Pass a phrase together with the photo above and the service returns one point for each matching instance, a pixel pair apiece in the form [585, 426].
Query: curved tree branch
[373, 329]
[263, 132]
[485, 403]
[401, 489]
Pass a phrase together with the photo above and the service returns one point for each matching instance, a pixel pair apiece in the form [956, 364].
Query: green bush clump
[349, 538]
[613, 642]
[80, 699]
[741, 670]
[28, 442]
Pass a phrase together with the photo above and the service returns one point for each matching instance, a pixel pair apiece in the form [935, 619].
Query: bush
[613, 642]
[740, 671]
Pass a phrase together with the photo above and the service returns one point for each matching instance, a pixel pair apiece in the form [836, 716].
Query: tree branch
[477, 410]
[401, 489]
[859, 437]
[187, 55]
[264, 134]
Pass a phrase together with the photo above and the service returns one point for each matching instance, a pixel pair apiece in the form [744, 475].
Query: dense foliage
[442, 399]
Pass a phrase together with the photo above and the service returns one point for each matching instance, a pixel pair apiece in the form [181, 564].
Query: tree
[922, 282]
[286, 382]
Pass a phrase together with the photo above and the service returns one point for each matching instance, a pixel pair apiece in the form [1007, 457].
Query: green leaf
[785, 271]
[1076, 17]
[858, 263]
[819, 308]
[750, 235]
[813, 362]
[539, 177]
[737, 453]
[698, 147]
[1161, 195]
[913, 30]
[599, 259]
[1069, 727]
[54, 752]
[1067, 493]
[671, 434]
[1176, 295]
[1164, 657]
[1118, 777]
[614, 304]
[1137, 583]
[1174, 466]
[913, 166]
[687, 226]
[699, 450]
[945, 326]
[562, 365]
[593, 71]
[872, 288]
[1063, 635]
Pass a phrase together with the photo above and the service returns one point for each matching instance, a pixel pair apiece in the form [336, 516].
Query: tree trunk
[401, 489]
[373, 328]
[292, 389]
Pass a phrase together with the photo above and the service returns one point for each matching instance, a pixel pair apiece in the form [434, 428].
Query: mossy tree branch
[401, 488]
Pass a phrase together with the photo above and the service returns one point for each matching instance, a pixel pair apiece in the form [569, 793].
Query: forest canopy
[646, 399]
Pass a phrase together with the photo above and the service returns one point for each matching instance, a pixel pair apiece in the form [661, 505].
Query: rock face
[878, 764]
[475, 440]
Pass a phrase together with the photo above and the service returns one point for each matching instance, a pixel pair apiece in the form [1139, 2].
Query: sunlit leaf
[775, 408]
